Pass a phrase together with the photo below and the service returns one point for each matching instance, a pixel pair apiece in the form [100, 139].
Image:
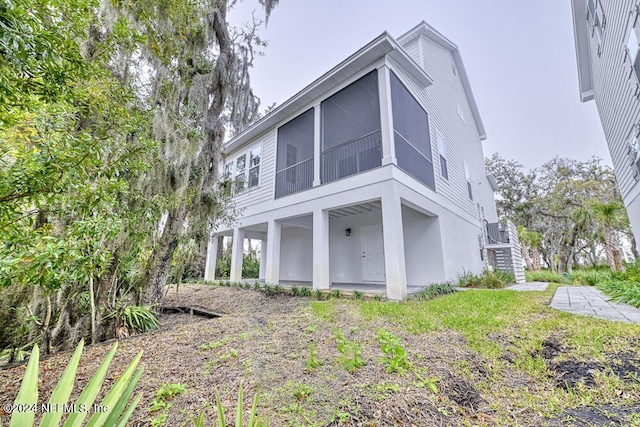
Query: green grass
[546, 276]
[589, 277]
[621, 291]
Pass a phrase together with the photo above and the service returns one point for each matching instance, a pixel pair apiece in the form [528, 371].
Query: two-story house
[372, 174]
[607, 34]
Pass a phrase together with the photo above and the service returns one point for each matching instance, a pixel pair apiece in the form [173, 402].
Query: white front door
[372, 254]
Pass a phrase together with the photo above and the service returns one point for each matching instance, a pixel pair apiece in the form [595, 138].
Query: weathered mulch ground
[264, 342]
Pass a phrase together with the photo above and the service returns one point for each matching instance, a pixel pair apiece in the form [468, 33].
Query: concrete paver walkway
[589, 301]
[530, 286]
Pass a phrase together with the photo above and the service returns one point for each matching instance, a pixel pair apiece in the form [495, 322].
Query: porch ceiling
[358, 209]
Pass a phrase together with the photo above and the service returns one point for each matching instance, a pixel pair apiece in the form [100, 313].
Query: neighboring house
[372, 174]
[606, 36]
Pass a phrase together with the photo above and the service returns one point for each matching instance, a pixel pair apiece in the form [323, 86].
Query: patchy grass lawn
[470, 358]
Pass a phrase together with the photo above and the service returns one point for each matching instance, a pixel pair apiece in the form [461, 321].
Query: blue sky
[519, 55]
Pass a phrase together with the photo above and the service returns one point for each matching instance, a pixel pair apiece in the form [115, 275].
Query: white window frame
[461, 113]
[467, 175]
[441, 142]
[251, 167]
[633, 30]
[597, 21]
[633, 151]
[231, 175]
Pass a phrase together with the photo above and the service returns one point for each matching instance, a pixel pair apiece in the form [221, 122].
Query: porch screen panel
[294, 160]
[351, 140]
[411, 134]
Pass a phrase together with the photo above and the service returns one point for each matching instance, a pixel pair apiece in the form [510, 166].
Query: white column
[393, 235]
[386, 117]
[272, 271]
[263, 259]
[317, 151]
[212, 253]
[237, 253]
[321, 278]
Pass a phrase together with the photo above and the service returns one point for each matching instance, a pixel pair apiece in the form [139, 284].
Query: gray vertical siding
[618, 108]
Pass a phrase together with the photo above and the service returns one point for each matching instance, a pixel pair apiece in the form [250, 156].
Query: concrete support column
[393, 235]
[272, 271]
[263, 259]
[237, 254]
[386, 117]
[317, 145]
[321, 277]
[212, 254]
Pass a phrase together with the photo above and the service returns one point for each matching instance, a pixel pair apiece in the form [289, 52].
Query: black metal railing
[496, 233]
[352, 157]
[294, 178]
[414, 162]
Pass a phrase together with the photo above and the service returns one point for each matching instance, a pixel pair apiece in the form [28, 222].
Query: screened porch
[350, 138]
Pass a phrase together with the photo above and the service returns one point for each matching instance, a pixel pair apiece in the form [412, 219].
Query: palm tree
[535, 242]
[610, 217]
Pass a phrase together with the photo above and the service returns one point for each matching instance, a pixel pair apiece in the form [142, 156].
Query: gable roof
[583, 53]
[382, 45]
[424, 29]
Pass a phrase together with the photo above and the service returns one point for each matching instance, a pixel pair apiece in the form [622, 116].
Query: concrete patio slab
[530, 286]
[588, 301]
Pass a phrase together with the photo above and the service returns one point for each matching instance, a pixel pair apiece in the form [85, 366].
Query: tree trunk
[158, 270]
[46, 324]
[610, 246]
[92, 301]
[536, 259]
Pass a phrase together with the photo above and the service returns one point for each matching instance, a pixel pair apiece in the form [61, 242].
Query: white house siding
[619, 110]
[296, 254]
[462, 138]
[414, 50]
[264, 192]
[422, 248]
[344, 267]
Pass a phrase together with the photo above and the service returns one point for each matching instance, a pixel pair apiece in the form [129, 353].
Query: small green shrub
[358, 295]
[487, 280]
[319, 295]
[621, 291]
[505, 277]
[164, 394]
[395, 356]
[350, 353]
[140, 319]
[116, 399]
[295, 291]
[313, 361]
[546, 276]
[589, 277]
[305, 291]
[336, 293]
[435, 290]
[302, 391]
[253, 419]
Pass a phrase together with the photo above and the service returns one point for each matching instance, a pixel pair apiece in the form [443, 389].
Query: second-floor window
[632, 50]
[468, 178]
[442, 151]
[633, 150]
[596, 20]
[242, 175]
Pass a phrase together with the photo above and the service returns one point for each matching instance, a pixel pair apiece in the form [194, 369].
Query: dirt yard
[285, 349]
